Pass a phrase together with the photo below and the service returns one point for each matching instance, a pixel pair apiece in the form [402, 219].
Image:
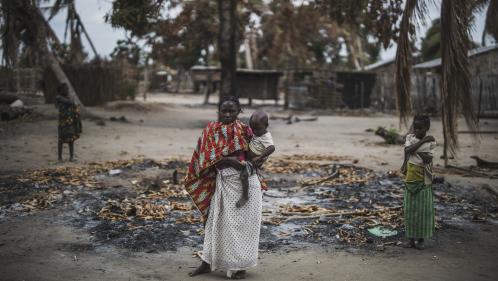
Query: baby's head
[421, 124]
[259, 122]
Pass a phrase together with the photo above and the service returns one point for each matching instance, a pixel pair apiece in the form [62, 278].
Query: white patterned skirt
[231, 235]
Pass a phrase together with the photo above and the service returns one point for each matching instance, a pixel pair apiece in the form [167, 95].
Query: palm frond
[57, 6]
[491, 23]
[414, 10]
[17, 27]
[455, 75]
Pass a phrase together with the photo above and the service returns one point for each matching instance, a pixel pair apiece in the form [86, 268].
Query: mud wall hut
[251, 83]
[383, 96]
[95, 84]
[484, 72]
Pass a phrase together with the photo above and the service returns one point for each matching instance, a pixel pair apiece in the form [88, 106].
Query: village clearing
[120, 213]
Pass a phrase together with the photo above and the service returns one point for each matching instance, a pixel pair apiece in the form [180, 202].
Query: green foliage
[128, 89]
[389, 135]
[127, 50]
[182, 41]
[138, 17]
[431, 43]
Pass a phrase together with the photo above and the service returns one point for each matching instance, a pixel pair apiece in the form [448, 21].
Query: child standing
[69, 127]
[417, 168]
[260, 147]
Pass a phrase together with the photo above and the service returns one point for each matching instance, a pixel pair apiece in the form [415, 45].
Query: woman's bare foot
[241, 274]
[203, 268]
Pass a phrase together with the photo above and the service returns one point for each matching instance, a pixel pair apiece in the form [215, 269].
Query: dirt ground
[42, 247]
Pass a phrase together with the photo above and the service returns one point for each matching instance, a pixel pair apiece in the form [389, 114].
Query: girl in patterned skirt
[417, 168]
[69, 127]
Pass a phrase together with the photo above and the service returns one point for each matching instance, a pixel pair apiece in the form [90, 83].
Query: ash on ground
[141, 205]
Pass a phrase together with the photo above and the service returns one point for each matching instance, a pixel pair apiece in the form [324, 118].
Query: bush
[128, 90]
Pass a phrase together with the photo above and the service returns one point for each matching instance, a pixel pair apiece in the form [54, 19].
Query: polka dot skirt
[231, 237]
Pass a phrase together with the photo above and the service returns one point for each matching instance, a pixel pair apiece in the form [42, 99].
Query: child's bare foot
[203, 268]
[241, 202]
[241, 274]
[409, 244]
[420, 244]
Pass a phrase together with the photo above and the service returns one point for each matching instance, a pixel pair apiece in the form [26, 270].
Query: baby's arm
[260, 159]
[232, 162]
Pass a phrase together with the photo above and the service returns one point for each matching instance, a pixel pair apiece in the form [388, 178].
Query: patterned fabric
[69, 127]
[415, 158]
[418, 206]
[414, 173]
[231, 236]
[259, 144]
[217, 140]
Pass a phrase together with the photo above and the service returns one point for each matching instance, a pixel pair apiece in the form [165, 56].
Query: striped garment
[418, 205]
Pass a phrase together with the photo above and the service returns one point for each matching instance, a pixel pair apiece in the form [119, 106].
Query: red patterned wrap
[217, 140]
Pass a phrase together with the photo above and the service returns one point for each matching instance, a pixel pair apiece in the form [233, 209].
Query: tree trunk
[56, 68]
[52, 61]
[54, 64]
[227, 49]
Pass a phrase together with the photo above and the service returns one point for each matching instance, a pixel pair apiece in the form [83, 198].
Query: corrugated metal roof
[379, 64]
[243, 70]
[437, 62]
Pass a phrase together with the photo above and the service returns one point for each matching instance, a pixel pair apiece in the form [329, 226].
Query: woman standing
[231, 238]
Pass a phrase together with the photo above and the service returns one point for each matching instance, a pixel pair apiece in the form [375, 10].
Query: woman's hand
[259, 160]
[232, 162]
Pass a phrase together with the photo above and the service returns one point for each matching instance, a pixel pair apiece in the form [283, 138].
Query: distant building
[383, 95]
[484, 71]
[426, 82]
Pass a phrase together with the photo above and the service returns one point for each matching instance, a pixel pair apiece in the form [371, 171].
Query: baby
[260, 147]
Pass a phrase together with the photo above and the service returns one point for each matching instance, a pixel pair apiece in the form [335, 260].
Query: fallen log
[478, 132]
[8, 113]
[307, 119]
[481, 163]
[469, 171]
[7, 98]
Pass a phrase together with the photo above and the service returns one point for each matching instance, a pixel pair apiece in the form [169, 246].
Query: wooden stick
[315, 182]
[478, 132]
[473, 173]
[316, 215]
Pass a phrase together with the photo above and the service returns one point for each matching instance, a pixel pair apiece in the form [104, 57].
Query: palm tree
[456, 20]
[76, 29]
[23, 25]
